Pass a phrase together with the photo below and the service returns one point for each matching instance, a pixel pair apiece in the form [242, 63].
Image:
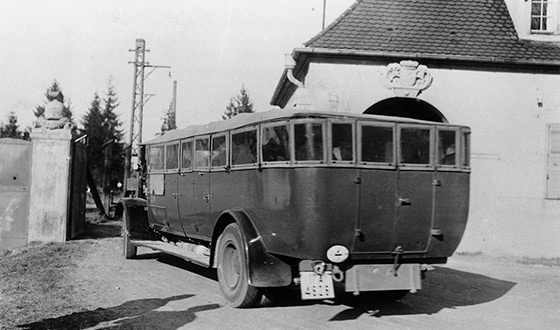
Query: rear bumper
[383, 278]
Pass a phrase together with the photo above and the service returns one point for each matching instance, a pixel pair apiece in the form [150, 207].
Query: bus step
[186, 251]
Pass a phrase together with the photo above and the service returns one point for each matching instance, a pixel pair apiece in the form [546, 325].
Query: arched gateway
[407, 107]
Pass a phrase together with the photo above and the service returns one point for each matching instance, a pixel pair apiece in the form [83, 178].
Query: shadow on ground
[107, 229]
[135, 314]
[444, 288]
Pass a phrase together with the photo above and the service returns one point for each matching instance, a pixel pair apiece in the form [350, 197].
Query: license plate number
[315, 286]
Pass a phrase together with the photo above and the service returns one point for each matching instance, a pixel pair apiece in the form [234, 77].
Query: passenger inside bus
[244, 148]
[342, 142]
[276, 145]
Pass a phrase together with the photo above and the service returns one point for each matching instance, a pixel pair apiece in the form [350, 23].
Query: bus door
[185, 187]
[169, 201]
[377, 185]
[201, 186]
[415, 192]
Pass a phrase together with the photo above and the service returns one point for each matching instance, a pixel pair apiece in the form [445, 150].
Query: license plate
[315, 286]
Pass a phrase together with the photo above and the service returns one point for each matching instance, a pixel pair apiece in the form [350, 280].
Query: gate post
[50, 177]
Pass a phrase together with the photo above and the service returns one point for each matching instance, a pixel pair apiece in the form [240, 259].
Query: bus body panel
[378, 203]
[451, 212]
[414, 211]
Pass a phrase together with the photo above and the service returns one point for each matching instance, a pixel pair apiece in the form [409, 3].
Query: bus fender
[134, 214]
[264, 269]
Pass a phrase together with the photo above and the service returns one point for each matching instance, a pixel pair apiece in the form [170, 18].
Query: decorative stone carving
[53, 118]
[406, 78]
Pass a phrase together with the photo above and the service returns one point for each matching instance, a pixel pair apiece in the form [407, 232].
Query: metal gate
[15, 179]
[78, 186]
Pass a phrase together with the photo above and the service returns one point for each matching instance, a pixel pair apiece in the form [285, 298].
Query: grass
[34, 282]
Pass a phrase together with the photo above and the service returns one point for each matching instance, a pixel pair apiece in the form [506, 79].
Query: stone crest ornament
[53, 118]
[406, 78]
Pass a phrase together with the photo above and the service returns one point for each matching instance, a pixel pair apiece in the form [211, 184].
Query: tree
[11, 130]
[239, 104]
[113, 131]
[66, 112]
[169, 122]
[102, 125]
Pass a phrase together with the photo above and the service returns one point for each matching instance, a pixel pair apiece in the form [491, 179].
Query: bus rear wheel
[232, 270]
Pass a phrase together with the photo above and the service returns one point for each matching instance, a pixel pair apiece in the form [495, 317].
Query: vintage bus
[290, 198]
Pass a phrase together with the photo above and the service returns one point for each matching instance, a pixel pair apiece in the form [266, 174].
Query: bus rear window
[244, 148]
[466, 149]
[341, 135]
[446, 148]
[156, 158]
[377, 144]
[275, 143]
[415, 146]
[309, 141]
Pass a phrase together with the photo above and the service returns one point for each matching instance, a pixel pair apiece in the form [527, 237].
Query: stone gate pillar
[50, 175]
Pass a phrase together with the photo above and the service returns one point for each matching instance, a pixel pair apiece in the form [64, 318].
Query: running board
[196, 254]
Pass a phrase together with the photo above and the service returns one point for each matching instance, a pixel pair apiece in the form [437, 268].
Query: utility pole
[131, 184]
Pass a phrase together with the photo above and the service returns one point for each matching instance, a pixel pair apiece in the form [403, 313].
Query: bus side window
[342, 142]
[202, 152]
[446, 149]
[244, 148]
[275, 143]
[415, 146]
[172, 156]
[219, 148]
[155, 162]
[187, 154]
[309, 141]
[377, 144]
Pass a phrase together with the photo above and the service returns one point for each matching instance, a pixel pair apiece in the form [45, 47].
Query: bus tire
[233, 276]
[129, 249]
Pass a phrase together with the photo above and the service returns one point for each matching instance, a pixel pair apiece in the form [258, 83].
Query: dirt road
[157, 291]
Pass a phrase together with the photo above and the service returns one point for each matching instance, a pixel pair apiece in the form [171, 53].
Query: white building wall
[508, 114]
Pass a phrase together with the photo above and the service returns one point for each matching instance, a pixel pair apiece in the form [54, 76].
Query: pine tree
[239, 104]
[102, 125]
[11, 130]
[113, 131]
[92, 123]
[169, 122]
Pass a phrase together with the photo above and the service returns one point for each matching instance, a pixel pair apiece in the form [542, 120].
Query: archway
[407, 107]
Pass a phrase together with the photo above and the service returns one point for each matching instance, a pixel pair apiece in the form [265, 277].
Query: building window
[543, 16]
[553, 171]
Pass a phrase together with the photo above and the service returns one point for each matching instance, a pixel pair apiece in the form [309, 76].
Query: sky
[213, 48]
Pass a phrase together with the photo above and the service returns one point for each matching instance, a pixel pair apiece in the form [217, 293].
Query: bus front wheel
[232, 269]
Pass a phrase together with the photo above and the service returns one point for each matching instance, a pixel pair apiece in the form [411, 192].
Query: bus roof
[246, 119]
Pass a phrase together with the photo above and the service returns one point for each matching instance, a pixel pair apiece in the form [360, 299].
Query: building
[493, 65]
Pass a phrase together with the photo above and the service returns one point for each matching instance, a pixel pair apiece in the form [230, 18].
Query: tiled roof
[460, 28]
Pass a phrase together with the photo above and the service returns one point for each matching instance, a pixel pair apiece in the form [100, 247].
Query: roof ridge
[333, 23]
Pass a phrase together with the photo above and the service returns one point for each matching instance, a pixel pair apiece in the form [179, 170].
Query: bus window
[156, 158]
[466, 150]
[202, 152]
[415, 146]
[187, 154]
[309, 141]
[341, 135]
[244, 147]
[219, 151]
[377, 144]
[172, 156]
[446, 148]
[276, 143]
